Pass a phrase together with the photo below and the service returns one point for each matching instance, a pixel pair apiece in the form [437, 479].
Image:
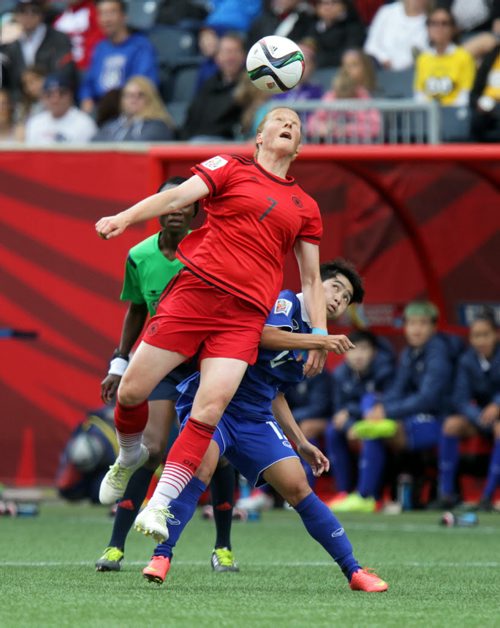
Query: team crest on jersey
[283, 306]
[297, 201]
[215, 163]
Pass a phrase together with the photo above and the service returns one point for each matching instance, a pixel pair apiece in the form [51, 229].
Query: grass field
[437, 576]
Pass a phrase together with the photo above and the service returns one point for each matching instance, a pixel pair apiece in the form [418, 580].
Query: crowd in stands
[379, 415]
[192, 53]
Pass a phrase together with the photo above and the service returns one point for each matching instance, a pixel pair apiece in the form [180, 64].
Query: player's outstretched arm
[133, 324]
[276, 339]
[311, 454]
[159, 204]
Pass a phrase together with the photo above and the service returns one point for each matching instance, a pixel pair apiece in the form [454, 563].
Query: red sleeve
[215, 172]
[312, 225]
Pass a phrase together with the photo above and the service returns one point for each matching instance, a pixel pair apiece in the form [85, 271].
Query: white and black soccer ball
[275, 64]
[85, 451]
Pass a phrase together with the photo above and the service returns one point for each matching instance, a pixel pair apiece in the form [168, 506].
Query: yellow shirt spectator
[446, 78]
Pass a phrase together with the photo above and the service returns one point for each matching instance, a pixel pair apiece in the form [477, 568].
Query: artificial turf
[437, 576]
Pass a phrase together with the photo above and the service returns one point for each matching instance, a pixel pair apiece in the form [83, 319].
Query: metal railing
[374, 121]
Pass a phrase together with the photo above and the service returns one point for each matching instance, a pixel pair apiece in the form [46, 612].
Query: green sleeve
[131, 290]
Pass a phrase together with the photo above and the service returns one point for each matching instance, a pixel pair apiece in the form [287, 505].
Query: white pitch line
[203, 563]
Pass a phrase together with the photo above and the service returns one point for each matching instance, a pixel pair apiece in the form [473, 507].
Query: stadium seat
[173, 46]
[142, 14]
[178, 111]
[324, 77]
[184, 83]
[395, 84]
[455, 124]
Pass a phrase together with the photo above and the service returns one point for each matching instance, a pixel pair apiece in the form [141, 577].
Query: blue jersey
[273, 371]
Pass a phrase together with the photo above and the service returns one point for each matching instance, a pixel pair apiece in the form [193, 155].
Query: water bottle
[405, 485]
[463, 520]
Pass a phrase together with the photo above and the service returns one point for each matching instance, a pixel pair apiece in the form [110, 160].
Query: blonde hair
[262, 124]
[343, 85]
[369, 81]
[154, 109]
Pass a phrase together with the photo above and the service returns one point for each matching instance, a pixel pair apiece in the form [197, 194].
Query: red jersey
[253, 221]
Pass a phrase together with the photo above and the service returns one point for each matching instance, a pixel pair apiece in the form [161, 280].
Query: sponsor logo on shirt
[214, 163]
[283, 306]
[286, 443]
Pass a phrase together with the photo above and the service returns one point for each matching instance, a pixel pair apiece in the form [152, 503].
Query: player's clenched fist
[111, 226]
[338, 344]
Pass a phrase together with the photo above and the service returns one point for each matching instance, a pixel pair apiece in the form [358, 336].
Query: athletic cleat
[367, 580]
[355, 503]
[110, 560]
[223, 560]
[157, 569]
[116, 479]
[257, 501]
[339, 497]
[152, 521]
[368, 430]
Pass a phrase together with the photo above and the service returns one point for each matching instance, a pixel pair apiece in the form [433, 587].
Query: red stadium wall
[417, 221]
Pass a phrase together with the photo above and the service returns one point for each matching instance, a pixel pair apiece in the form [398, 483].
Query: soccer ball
[275, 64]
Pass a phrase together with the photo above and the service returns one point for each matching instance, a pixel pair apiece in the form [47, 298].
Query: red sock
[131, 419]
[184, 458]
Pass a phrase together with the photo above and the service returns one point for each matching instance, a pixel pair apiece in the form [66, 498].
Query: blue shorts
[252, 445]
[167, 388]
[422, 431]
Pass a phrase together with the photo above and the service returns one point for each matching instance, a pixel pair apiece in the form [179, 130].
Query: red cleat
[157, 569]
[365, 580]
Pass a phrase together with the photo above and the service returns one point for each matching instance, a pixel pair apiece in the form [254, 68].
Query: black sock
[222, 490]
[129, 506]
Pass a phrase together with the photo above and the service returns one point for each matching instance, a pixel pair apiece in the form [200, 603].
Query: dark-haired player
[257, 444]
[149, 268]
[218, 305]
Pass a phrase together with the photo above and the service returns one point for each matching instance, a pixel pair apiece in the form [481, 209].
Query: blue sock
[182, 508]
[371, 467]
[325, 528]
[222, 490]
[129, 506]
[493, 479]
[448, 463]
[337, 450]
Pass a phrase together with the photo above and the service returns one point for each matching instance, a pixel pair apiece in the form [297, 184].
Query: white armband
[117, 366]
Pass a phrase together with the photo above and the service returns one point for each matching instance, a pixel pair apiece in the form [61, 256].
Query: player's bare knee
[296, 492]
[453, 426]
[129, 394]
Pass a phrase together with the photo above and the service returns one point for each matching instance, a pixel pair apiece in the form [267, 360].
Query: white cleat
[115, 481]
[152, 521]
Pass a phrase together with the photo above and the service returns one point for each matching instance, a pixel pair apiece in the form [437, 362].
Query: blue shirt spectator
[311, 398]
[118, 57]
[233, 15]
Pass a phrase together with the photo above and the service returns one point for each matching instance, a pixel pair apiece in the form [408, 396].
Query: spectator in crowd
[305, 90]
[179, 12]
[118, 57]
[416, 402]
[38, 44]
[31, 103]
[367, 9]
[336, 29]
[9, 130]
[232, 15]
[286, 18]
[79, 22]
[368, 370]
[485, 100]
[62, 121]
[251, 101]
[398, 33]
[311, 404]
[208, 44]
[476, 402]
[444, 73]
[214, 113]
[87, 455]
[143, 116]
[355, 80]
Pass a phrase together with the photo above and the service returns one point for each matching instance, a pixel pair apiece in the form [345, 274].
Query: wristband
[117, 366]
[318, 331]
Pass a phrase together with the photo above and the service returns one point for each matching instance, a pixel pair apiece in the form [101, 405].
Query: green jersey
[147, 273]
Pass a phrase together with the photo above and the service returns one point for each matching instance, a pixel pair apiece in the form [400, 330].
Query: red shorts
[194, 315]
